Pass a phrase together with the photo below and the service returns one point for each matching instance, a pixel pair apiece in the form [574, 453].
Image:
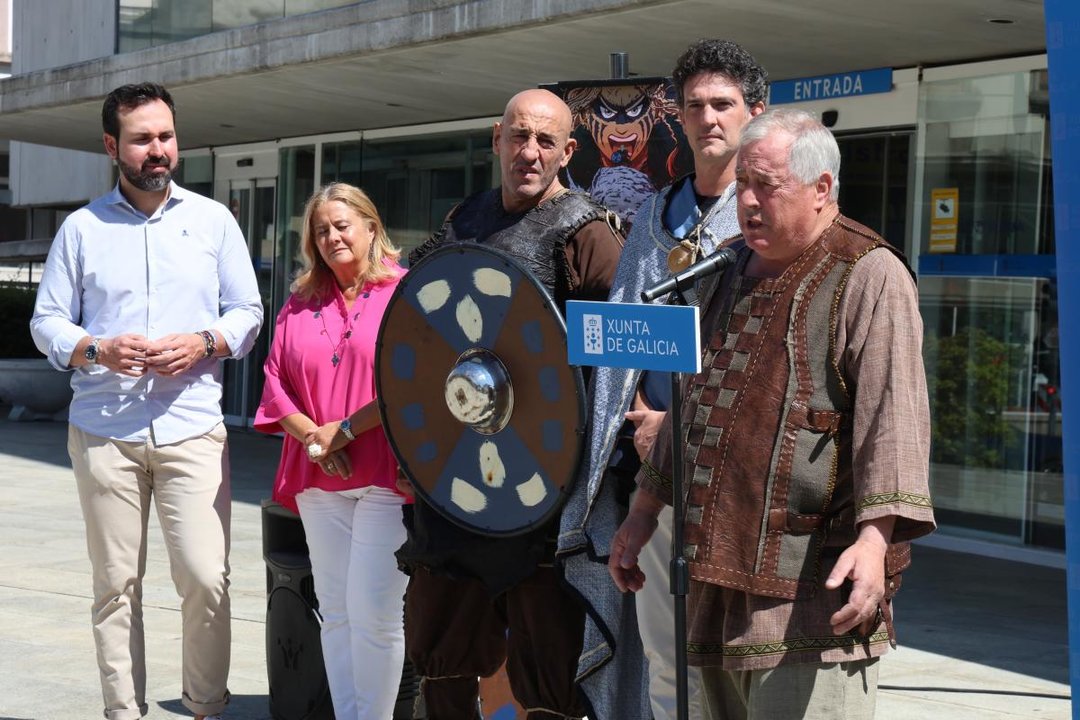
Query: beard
[144, 178]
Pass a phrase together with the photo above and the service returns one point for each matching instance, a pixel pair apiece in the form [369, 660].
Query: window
[988, 298]
[988, 137]
[147, 23]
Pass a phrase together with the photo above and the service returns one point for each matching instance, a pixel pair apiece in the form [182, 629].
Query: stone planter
[34, 389]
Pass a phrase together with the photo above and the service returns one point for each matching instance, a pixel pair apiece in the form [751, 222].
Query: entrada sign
[825, 87]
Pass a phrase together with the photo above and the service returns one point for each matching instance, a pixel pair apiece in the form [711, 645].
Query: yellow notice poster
[944, 212]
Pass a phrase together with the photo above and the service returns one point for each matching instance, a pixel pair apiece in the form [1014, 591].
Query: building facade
[944, 128]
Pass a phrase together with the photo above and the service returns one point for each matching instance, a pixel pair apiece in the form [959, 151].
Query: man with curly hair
[719, 88]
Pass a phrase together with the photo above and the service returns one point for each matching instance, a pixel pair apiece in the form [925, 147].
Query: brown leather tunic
[767, 427]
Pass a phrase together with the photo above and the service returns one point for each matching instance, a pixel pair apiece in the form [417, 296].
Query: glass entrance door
[988, 294]
[992, 366]
[874, 186]
[253, 204]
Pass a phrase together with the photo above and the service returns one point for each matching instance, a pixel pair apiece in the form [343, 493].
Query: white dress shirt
[112, 270]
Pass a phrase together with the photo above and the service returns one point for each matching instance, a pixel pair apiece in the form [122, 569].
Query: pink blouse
[322, 364]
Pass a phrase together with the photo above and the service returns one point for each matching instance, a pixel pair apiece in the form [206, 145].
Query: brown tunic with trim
[809, 417]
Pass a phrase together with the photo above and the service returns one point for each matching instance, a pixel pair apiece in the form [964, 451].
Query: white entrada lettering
[833, 86]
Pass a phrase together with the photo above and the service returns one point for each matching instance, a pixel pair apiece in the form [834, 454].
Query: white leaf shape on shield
[492, 282]
[433, 295]
[466, 497]
[469, 319]
[492, 469]
[533, 491]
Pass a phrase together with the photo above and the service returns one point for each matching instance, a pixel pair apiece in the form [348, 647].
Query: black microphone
[685, 279]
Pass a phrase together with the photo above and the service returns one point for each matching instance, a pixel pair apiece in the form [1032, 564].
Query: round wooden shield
[478, 401]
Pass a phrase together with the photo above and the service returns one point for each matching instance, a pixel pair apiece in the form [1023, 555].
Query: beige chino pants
[188, 483]
[800, 691]
[656, 622]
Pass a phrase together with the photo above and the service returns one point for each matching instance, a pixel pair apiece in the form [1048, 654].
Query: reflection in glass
[415, 182]
[252, 204]
[341, 162]
[989, 138]
[196, 173]
[992, 372]
[262, 243]
[233, 399]
[232, 14]
[297, 175]
[991, 336]
[874, 183]
[147, 23]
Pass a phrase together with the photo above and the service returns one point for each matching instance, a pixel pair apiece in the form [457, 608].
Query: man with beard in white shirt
[144, 291]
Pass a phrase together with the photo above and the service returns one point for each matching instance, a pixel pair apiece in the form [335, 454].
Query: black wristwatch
[91, 352]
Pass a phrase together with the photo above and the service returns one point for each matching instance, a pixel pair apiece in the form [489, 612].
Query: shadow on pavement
[984, 610]
[1004, 693]
[253, 455]
[256, 707]
[39, 440]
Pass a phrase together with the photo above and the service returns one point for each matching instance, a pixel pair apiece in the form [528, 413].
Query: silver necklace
[346, 333]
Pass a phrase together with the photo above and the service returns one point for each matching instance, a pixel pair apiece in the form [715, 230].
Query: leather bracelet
[209, 342]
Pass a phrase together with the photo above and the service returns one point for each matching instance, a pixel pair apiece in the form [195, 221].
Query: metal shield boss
[484, 413]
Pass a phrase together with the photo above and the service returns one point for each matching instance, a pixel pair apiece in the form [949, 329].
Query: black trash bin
[294, 660]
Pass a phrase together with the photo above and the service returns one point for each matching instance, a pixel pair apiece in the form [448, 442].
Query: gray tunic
[612, 671]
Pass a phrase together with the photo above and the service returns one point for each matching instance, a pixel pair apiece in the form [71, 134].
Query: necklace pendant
[680, 258]
[335, 360]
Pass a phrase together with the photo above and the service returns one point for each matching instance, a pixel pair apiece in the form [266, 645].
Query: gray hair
[814, 150]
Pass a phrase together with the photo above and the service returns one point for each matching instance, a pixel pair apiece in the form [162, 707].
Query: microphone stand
[678, 571]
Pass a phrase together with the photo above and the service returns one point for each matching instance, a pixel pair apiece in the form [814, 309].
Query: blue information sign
[633, 335]
[825, 87]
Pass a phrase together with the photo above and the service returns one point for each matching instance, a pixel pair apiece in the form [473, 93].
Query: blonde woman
[336, 466]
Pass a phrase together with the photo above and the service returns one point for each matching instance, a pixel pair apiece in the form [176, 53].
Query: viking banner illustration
[630, 142]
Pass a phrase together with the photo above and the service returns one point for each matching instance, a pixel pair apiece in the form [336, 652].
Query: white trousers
[656, 621]
[351, 537]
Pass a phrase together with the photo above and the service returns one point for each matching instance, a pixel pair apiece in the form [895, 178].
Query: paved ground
[981, 638]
